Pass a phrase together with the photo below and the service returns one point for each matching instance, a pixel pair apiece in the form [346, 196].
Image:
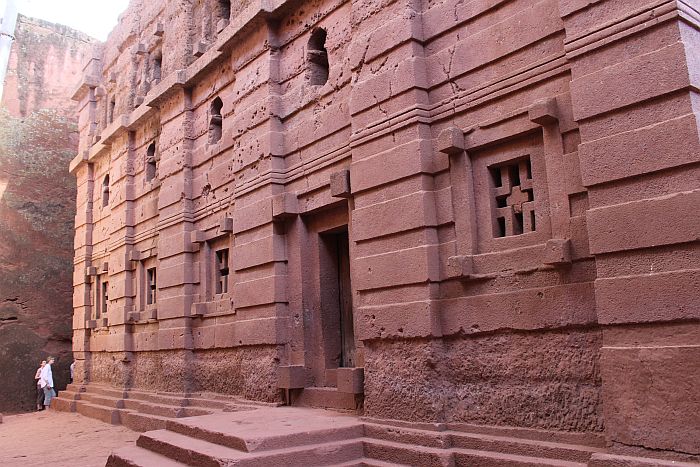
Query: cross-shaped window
[514, 197]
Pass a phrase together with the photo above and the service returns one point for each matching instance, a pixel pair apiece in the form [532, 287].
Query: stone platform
[293, 436]
[201, 429]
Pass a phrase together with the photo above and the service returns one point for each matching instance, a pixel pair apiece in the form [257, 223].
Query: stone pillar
[635, 76]
[395, 241]
[176, 261]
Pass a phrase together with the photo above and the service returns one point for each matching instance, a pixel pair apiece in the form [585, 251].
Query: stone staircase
[307, 437]
[141, 410]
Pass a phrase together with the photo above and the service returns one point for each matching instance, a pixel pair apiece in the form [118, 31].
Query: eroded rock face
[37, 205]
[545, 380]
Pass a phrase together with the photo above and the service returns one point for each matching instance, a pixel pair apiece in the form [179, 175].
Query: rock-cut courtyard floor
[59, 439]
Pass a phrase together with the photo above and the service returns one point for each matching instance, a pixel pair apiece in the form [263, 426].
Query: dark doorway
[336, 299]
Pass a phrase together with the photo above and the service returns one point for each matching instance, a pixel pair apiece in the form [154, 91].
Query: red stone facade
[38, 137]
[479, 212]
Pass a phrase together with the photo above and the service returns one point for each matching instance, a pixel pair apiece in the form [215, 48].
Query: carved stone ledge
[451, 141]
[198, 236]
[460, 267]
[557, 252]
[284, 206]
[544, 112]
[226, 225]
[340, 184]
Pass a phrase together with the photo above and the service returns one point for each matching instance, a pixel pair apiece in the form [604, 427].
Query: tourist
[39, 389]
[46, 381]
[72, 371]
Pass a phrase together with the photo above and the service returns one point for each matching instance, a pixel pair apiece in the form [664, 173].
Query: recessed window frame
[216, 120]
[151, 165]
[151, 286]
[105, 191]
[221, 270]
[317, 62]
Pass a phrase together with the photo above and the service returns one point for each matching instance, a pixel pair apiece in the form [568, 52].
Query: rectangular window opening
[222, 271]
[514, 175]
[97, 288]
[518, 223]
[151, 286]
[496, 175]
[501, 227]
[104, 298]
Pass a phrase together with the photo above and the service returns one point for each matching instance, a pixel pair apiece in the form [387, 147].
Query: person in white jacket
[46, 382]
[39, 389]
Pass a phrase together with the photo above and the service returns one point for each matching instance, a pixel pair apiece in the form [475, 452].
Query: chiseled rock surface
[37, 206]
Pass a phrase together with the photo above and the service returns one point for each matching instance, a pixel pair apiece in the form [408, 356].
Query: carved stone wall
[516, 180]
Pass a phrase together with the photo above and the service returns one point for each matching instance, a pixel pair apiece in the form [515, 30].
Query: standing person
[46, 381]
[72, 371]
[39, 389]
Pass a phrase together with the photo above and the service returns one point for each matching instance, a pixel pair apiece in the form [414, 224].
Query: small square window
[222, 271]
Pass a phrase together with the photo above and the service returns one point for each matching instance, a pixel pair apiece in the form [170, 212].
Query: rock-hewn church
[473, 223]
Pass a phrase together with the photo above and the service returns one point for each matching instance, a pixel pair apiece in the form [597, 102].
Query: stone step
[327, 398]
[165, 410]
[75, 387]
[481, 442]
[210, 403]
[202, 453]
[366, 462]
[106, 391]
[222, 429]
[102, 400]
[71, 395]
[310, 455]
[467, 457]
[523, 447]
[401, 453]
[191, 451]
[106, 414]
[615, 460]
[156, 398]
[579, 439]
[133, 456]
[143, 422]
[170, 411]
[63, 405]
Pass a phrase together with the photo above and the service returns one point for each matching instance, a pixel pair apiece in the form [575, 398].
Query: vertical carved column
[635, 76]
[395, 253]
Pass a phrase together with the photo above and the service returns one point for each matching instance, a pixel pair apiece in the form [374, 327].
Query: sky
[93, 17]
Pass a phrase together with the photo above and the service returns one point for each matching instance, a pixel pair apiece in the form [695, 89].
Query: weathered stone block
[350, 380]
[451, 141]
[291, 377]
[557, 251]
[340, 184]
